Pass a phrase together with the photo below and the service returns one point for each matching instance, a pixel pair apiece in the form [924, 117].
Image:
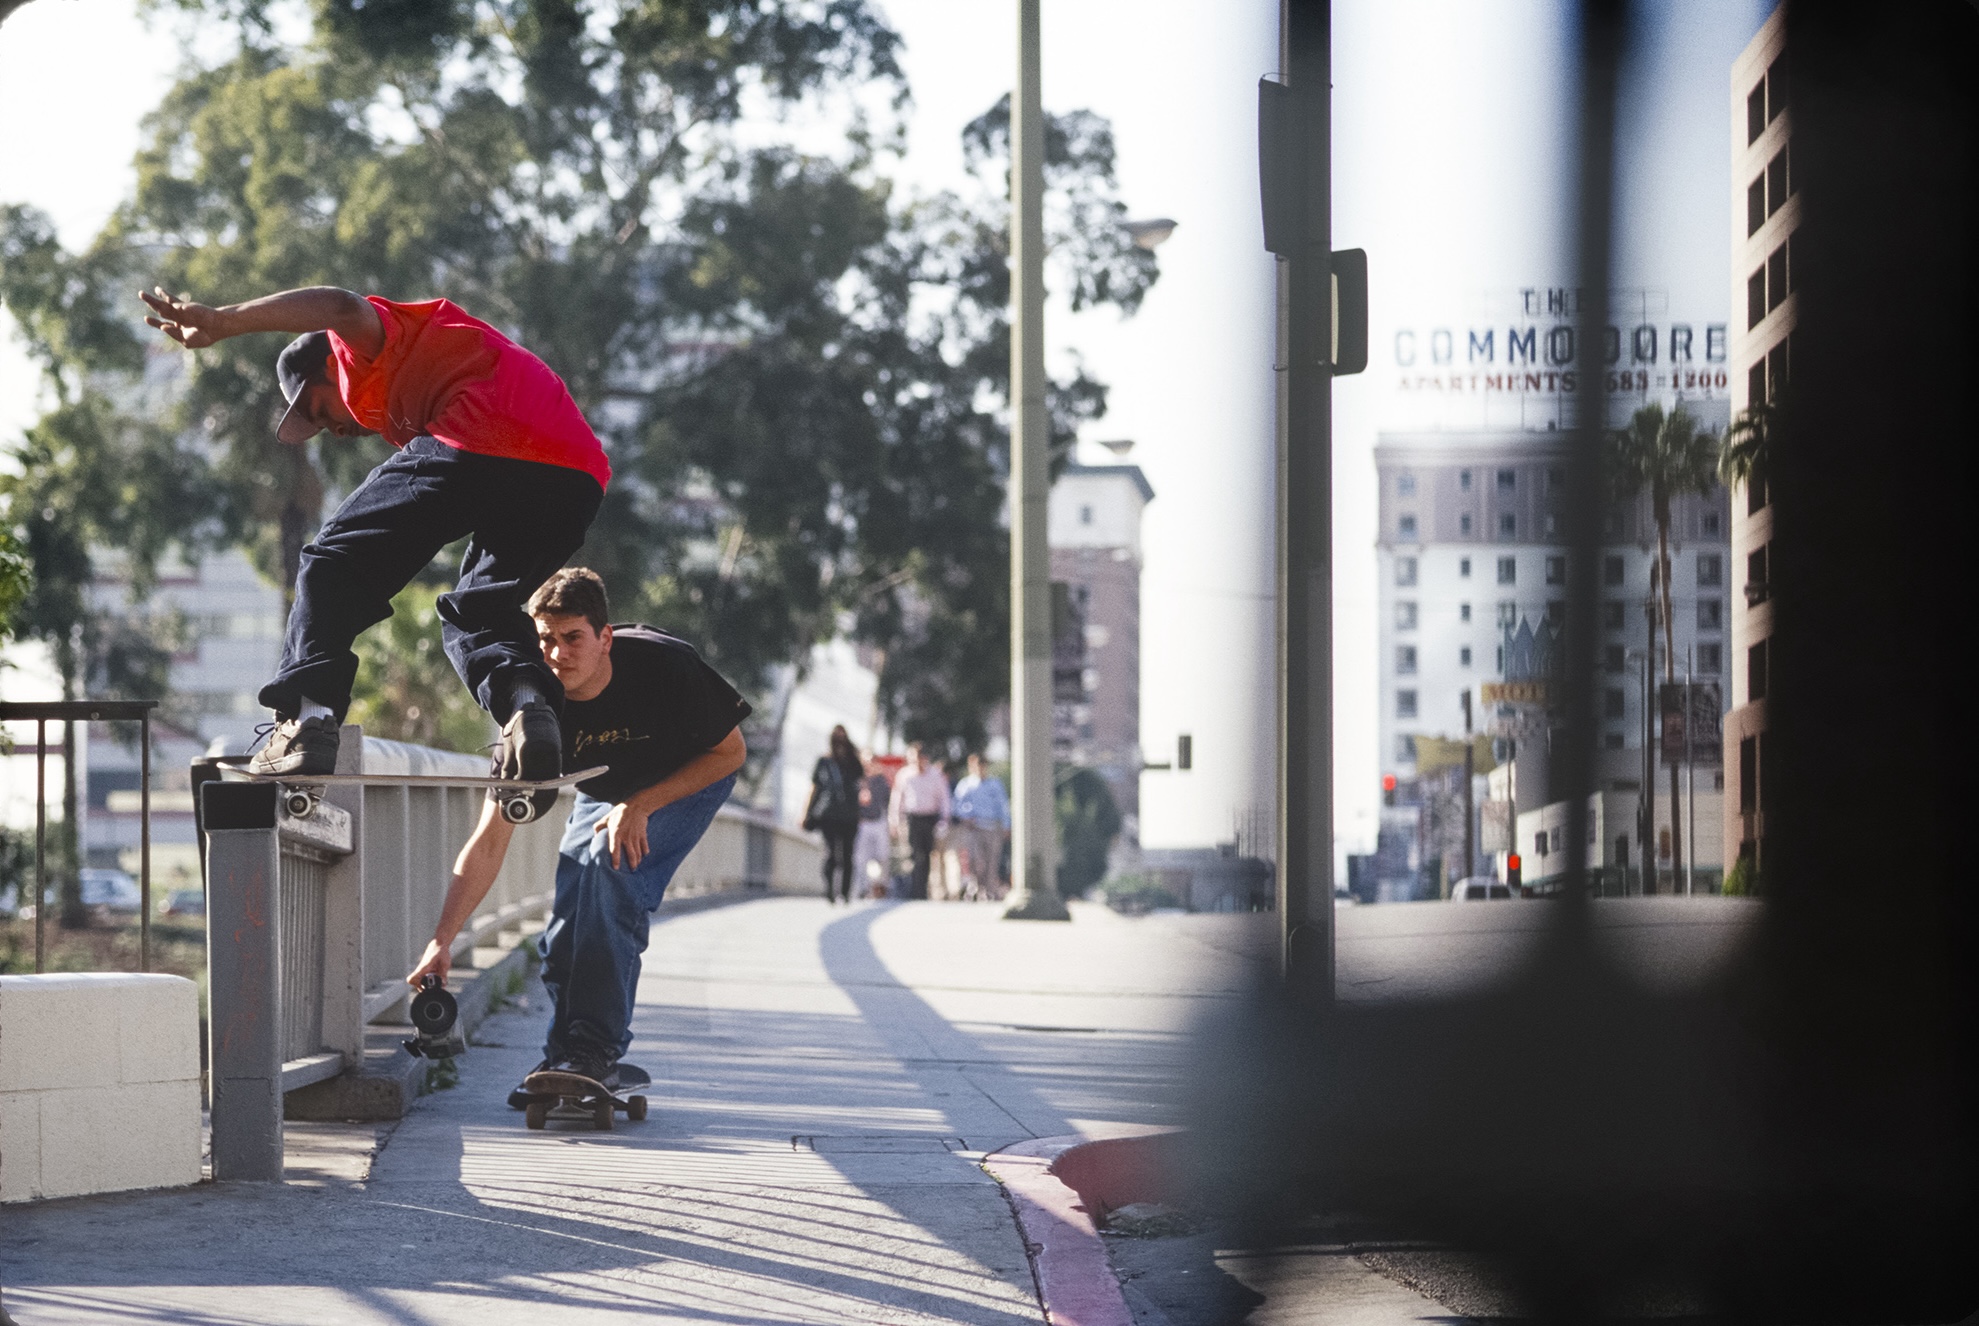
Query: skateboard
[301, 794]
[571, 1096]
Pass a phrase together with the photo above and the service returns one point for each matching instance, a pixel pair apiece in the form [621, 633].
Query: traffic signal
[1388, 789]
[1512, 870]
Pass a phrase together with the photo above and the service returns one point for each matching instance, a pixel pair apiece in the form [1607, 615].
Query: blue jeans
[597, 932]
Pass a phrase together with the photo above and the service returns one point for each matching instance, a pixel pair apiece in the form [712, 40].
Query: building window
[1776, 89]
[1777, 368]
[1508, 570]
[1710, 615]
[1508, 526]
[1709, 524]
[1464, 567]
[1556, 570]
[1405, 660]
[1085, 515]
[1556, 480]
[1612, 569]
[1508, 613]
[1464, 480]
[1612, 700]
[1755, 205]
[1612, 658]
[1710, 660]
[1464, 657]
[1556, 611]
[1755, 383]
[1507, 480]
[1405, 616]
[1755, 298]
[1776, 182]
[1405, 704]
[1552, 525]
[1776, 278]
[1405, 749]
[1406, 527]
[1757, 588]
[1612, 741]
[1464, 525]
[1405, 485]
[1613, 614]
[1755, 672]
[1755, 113]
[1405, 571]
[1501, 659]
[1463, 612]
[1710, 570]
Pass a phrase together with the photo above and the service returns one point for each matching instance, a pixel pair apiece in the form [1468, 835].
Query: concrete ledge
[99, 1084]
[1059, 1189]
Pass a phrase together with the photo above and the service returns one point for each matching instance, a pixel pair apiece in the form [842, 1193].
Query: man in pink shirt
[490, 445]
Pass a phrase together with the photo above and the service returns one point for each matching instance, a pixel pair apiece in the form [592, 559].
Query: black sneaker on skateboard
[531, 749]
[299, 748]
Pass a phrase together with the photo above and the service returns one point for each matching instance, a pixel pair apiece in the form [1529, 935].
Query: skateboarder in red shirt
[490, 445]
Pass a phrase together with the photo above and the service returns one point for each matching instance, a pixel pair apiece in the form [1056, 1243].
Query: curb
[1059, 1188]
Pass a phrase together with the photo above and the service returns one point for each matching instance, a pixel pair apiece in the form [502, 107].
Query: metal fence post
[243, 965]
[343, 917]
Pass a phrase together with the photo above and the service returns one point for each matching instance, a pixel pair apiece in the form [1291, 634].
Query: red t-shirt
[454, 378]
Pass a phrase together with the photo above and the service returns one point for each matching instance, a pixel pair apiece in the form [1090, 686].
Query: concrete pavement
[826, 1081]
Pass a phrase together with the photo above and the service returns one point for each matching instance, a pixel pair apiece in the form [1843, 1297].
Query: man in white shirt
[918, 812]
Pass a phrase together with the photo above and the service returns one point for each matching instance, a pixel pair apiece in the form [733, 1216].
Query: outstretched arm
[474, 872]
[313, 308]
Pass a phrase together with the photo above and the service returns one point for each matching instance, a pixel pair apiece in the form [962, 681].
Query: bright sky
[1447, 142]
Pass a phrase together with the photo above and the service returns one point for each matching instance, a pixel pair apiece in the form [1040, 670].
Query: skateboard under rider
[302, 793]
[575, 1097]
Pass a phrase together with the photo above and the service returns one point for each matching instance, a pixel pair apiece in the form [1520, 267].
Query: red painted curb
[1058, 1187]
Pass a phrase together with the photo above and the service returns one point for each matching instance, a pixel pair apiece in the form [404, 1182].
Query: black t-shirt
[662, 707]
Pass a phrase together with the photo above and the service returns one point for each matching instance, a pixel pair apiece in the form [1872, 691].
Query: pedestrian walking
[872, 854]
[982, 819]
[833, 809]
[644, 704]
[489, 445]
[918, 812]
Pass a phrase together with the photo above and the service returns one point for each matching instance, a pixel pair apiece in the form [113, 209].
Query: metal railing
[313, 922]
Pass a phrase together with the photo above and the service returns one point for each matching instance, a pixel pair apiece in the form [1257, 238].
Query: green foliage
[406, 688]
[1664, 455]
[1088, 822]
[1748, 443]
[16, 580]
[1743, 879]
[1137, 895]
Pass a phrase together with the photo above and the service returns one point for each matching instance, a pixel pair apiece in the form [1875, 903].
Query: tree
[1748, 445]
[1665, 456]
[406, 688]
[799, 377]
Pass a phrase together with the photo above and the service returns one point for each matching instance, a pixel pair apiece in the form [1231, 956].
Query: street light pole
[1033, 853]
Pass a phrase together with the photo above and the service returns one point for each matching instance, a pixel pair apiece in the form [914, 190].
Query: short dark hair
[575, 591]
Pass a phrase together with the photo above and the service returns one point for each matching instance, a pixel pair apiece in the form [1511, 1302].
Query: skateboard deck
[301, 793]
[570, 1096]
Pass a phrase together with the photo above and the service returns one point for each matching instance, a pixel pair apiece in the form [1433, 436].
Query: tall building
[1094, 528]
[1471, 563]
[1765, 213]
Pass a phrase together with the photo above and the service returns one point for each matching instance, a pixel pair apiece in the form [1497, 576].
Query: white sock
[311, 709]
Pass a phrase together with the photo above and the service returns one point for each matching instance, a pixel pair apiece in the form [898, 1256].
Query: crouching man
[644, 704]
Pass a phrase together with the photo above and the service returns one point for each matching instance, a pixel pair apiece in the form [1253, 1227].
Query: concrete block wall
[99, 1084]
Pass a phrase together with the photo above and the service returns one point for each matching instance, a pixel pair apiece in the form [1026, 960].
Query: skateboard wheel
[601, 1114]
[635, 1108]
[299, 805]
[537, 1113]
[518, 810]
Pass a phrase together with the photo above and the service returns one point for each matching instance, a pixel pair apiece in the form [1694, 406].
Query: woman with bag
[834, 809]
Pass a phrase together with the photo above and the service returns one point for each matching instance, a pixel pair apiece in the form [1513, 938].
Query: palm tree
[1748, 445]
[1668, 455]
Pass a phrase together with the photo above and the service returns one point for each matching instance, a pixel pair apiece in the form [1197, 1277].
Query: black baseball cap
[302, 361]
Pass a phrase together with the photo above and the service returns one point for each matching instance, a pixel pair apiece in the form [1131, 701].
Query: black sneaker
[520, 1099]
[531, 748]
[587, 1062]
[298, 747]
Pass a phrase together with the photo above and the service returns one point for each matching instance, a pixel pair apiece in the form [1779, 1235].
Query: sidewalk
[826, 1081]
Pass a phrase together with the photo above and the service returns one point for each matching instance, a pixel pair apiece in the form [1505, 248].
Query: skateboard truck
[434, 1013]
[300, 802]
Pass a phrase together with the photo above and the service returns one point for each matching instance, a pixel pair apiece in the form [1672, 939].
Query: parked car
[112, 890]
[183, 902]
[1480, 888]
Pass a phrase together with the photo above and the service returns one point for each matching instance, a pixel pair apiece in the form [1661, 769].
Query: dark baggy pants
[839, 836]
[921, 842]
[526, 519]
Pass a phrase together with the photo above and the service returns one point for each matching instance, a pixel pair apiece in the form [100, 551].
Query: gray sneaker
[298, 747]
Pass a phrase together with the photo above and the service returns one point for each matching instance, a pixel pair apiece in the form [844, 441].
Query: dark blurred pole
[1470, 808]
[1603, 24]
[1033, 849]
[1305, 513]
